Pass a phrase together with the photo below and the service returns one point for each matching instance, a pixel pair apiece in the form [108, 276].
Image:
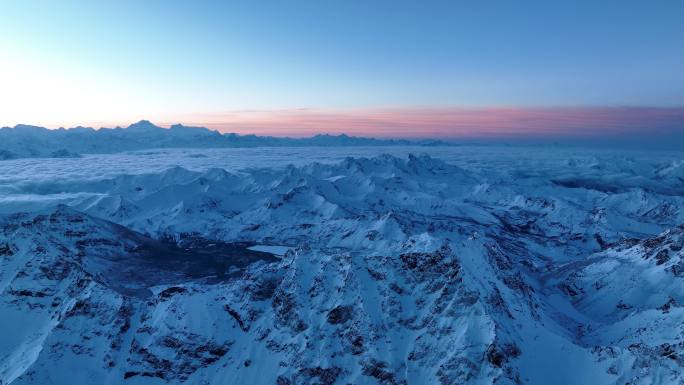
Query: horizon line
[427, 122]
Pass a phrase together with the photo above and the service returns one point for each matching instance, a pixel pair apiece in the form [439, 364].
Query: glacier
[397, 264]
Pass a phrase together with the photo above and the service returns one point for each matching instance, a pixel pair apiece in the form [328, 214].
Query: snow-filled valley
[343, 265]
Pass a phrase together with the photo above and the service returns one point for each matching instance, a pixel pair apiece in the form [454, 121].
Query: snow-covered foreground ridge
[402, 271]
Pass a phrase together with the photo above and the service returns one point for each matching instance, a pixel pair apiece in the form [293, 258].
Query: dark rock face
[6, 250]
[172, 291]
[263, 288]
[378, 370]
[238, 318]
[286, 313]
[319, 375]
[340, 314]
[190, 353]
[677, 269]
[662, 256]
[497, 356]
[427, 265]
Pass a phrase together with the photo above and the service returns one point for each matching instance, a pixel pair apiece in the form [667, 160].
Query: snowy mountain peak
[26, 129]
[143, 125]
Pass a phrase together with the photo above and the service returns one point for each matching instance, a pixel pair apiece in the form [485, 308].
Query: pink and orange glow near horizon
[440, 69]
[448, 122]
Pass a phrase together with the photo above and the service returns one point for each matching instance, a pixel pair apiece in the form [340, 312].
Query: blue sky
[79, 62]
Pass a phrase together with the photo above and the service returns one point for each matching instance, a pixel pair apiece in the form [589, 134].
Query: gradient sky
[383, 68]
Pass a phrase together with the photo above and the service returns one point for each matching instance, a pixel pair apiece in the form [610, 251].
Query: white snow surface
[271, 249]
[467, 265]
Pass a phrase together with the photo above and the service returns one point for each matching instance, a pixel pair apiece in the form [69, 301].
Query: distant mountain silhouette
[23, 141]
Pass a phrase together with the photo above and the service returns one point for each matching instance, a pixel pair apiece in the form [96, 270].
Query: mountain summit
[143, 126]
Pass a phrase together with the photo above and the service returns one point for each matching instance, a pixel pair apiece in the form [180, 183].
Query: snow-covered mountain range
[25, 141]
[400, 270]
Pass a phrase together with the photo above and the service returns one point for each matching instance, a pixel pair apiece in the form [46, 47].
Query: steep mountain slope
[630, 299]
[402, 271]
[424, 314]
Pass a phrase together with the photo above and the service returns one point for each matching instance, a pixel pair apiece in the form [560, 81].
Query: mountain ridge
[28, 141]
[399, 271]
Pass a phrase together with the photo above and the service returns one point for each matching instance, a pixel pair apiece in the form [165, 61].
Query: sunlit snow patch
[275, 250]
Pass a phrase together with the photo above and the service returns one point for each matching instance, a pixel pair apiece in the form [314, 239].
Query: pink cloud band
[450, 122]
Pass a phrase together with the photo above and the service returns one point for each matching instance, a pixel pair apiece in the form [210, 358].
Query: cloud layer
[490, 122]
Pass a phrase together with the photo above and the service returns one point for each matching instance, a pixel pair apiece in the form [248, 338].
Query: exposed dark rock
[81, 307]
[6, 250]
[286, 311]
[325, 376]
[667, 351]
[263, 288]
[457, 370]
[428, 265]
[356, 342]
[28, 293]
[130, 374]
[569, 289]
[171, 291]
[75, 234]
[192, 352]
[654, 242]
[602, 243]
[665, 308]
[379, 370]
[498, 356]
[340, 314]
[677, 269]
[238, 318]
[662, 257]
